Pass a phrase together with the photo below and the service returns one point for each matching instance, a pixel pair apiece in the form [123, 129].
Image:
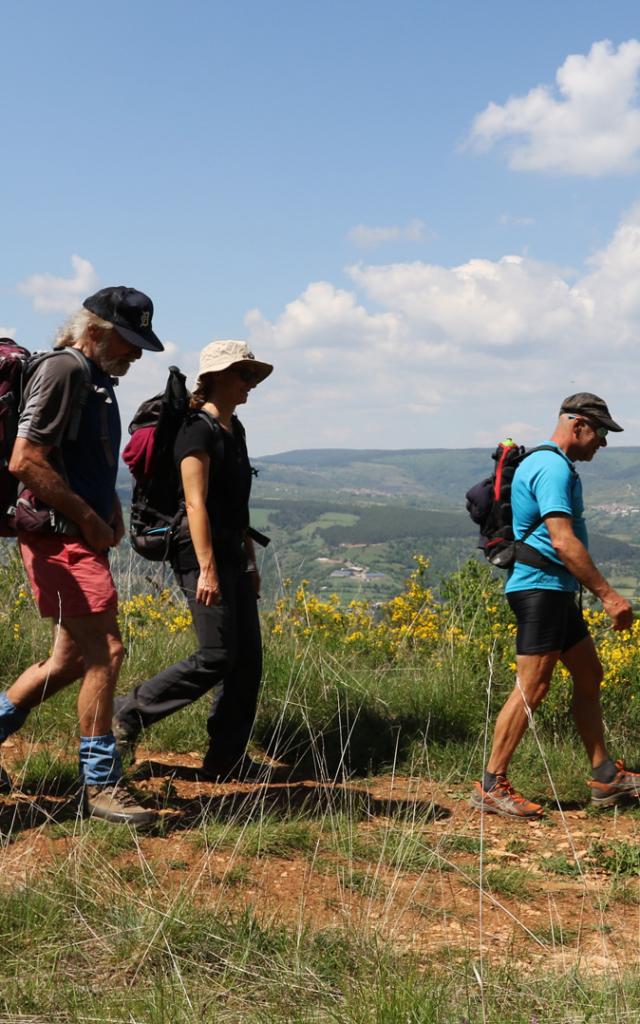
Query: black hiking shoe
[126, 739]
[6, 785]
[245, 769]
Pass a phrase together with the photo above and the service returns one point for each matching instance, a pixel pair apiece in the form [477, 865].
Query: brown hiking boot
[116, 803]
[625, 785]
[502, 799]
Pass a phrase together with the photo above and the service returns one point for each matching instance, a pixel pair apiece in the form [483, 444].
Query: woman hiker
[214, 563]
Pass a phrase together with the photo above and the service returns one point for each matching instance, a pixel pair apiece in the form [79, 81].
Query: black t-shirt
[228, 490]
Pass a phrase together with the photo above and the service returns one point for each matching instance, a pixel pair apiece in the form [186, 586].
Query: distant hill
[436, 477]
[351, 520]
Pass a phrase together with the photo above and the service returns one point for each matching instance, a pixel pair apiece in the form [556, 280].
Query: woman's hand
[208, 589]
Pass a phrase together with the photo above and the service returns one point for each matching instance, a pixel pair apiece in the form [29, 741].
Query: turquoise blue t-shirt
[543, 483]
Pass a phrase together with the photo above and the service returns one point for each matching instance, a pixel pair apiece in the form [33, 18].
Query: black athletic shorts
[548, 620]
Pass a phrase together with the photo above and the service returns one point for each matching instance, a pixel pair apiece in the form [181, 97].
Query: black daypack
[19, 509]
[489, 505]
[156, 509]
[157, 506]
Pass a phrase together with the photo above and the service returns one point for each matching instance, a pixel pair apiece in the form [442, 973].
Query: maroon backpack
[16, 365]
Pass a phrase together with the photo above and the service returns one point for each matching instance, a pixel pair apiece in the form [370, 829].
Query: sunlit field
[350, 881]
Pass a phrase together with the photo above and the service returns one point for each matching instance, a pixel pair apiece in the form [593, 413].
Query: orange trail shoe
[625, 785]
[502, 799]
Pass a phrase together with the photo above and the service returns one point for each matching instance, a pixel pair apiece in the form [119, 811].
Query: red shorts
[66, 576]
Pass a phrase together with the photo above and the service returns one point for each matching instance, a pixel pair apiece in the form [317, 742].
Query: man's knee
[65, 672]
[532, 691]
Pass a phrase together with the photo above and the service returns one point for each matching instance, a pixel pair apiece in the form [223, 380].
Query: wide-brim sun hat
[220, 355]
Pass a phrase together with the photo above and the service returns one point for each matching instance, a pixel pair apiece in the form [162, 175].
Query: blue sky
[432, 236]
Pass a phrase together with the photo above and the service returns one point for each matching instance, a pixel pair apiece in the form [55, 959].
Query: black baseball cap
[592, 407]
[128, 310]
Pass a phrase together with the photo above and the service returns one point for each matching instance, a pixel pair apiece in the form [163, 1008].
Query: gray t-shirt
[89, 463]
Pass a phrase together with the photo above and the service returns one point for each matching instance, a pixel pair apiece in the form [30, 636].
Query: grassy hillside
[328, 510]
[350, 882]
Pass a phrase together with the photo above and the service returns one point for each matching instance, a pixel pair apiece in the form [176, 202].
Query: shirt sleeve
[194, 436]
[552, 486]
[49, 402]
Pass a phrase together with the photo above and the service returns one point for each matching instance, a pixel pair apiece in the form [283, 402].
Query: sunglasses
[248, 376]
[601, 432]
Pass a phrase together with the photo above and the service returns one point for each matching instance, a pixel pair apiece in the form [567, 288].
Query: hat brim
[260, 370]
[148, 341]
[606, 421]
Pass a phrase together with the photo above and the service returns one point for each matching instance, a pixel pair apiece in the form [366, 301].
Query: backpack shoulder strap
[82, 394]
[550, 448]
[83, 388]
[218, 437]
[545, 448]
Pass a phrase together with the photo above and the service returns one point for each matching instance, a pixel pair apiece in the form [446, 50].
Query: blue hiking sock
[100, 763]
[606, 771]
[11, 717]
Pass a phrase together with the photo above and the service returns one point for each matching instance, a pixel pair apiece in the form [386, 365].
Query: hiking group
[67, 516]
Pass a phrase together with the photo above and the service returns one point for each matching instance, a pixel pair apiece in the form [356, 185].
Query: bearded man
[66, 460]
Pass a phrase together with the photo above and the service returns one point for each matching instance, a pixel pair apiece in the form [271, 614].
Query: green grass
[265, 837]
[175, 926]
[506, 881]
[83, 947]
[559, 865]
[619, 858]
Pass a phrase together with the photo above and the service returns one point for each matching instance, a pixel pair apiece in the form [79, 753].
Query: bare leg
[533, 677]
[40, 681]
[586, 671]
[97, 638]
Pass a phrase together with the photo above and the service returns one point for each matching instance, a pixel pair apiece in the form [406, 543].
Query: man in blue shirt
[546, 498]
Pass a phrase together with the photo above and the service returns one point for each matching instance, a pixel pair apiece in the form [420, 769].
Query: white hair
[77, 326]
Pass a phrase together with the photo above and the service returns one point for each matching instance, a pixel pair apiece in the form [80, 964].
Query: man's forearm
[46, 483]
[578, 561]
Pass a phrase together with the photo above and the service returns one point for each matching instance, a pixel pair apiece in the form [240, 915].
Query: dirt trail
[564, 890]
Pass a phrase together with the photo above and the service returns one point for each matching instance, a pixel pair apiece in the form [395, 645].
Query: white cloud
[51, 294]
[7, 332]
[421, 355]
[366, 237]
[589, 125]
[508, 220]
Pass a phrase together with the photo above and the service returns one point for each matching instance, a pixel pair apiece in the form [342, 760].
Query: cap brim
[607, 422]
[148, 341]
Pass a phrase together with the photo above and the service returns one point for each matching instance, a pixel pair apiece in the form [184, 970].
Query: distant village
[349, 570]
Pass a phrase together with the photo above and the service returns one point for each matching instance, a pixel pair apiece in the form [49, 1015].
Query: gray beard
[108, 364]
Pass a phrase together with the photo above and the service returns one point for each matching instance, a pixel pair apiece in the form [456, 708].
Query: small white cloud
[7, 332]
[589, 125]
[365, 237]
[51, 294]
[509, 221]
[519, 431]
